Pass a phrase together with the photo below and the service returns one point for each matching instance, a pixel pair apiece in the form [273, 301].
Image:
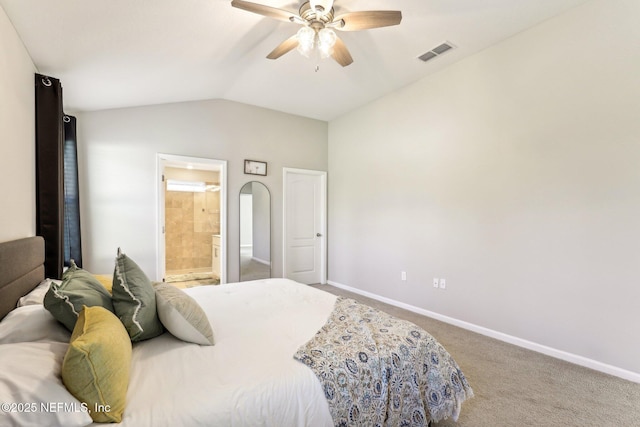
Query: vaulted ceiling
[119, 53]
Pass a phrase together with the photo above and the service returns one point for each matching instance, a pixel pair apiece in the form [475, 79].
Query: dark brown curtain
[50, 171]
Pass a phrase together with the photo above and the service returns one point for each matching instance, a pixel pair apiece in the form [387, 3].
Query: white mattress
[249, 378]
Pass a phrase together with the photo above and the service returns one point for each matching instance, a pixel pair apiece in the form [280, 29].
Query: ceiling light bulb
[326, 40]
[306, 40]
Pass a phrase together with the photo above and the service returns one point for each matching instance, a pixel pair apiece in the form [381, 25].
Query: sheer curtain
[72, 243]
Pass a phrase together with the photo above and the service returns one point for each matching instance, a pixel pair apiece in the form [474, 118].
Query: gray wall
[515, 175]
[17, 144]
[117, 156]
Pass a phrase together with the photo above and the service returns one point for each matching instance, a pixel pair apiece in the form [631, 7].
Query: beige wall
[515, 175]
[17, 144]
[117, 152]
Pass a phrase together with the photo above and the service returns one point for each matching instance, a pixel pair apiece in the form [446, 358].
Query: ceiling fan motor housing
[310, 14]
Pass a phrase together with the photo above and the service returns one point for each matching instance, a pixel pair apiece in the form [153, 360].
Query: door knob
[318, 235]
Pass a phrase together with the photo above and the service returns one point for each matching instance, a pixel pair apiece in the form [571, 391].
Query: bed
[278, 360]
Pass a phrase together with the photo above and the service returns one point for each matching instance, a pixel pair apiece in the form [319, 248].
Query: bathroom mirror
[255, 231]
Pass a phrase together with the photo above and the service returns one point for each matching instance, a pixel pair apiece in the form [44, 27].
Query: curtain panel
[49, 171]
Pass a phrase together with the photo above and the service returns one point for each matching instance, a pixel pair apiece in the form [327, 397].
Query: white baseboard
[549, 351]
[262, 261]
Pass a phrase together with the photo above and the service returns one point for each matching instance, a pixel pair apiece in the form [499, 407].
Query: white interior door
[304, 228]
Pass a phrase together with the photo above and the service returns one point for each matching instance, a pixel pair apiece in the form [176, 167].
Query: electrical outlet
[443, 284]
[435, 282]
[403, 275]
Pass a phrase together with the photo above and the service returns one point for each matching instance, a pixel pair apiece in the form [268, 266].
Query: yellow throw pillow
[97, 364]
[105, 280]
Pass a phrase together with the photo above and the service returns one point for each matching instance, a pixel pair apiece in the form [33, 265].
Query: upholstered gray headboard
[21, 269]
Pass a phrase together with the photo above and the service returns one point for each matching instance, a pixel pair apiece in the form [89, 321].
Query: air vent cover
[436, 51]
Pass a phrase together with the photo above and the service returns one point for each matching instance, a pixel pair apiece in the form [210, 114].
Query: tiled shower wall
[190, 221]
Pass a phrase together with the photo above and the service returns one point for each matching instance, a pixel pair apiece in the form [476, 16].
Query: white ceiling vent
[436, 51]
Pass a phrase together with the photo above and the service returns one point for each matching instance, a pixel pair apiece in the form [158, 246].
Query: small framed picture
[254, 167]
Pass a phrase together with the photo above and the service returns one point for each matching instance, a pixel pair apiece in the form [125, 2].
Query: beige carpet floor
[518, 387]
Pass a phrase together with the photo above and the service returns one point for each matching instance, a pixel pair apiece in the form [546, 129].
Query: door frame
[323, 218]
[197, 163]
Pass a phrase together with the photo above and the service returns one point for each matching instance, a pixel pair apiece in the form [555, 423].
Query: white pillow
[182, 316]
[32, 323]
[36, 296]
[31, 391]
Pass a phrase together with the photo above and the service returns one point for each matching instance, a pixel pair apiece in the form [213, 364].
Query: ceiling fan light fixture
[316, 38]
[306, 40]
[326, 40]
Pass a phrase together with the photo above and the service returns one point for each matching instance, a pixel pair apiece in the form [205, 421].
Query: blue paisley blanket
[377, 370]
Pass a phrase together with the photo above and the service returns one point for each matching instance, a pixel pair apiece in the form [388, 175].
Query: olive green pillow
[97, 364]
[134, 300]
[78, 288]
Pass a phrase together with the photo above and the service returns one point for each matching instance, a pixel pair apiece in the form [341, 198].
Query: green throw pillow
[134, 300]
[182, 316]
[78, 288]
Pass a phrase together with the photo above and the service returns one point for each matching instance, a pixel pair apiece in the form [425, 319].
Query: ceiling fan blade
[284, 47]
[263, 10]
[341, 53]
[356, 21]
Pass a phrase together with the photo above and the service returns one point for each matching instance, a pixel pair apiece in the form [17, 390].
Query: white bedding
[249, 378]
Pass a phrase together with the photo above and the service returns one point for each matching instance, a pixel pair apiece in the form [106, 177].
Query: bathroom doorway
[191, 220]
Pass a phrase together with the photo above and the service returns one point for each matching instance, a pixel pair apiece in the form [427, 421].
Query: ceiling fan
[316, 37]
